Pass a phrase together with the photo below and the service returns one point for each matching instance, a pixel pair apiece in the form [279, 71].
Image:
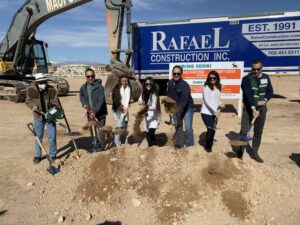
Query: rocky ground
[137, 185]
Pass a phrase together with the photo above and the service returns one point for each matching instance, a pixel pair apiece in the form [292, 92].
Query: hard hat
[39, 77]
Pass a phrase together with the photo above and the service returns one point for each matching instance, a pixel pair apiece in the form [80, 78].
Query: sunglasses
[91, 76]
[148, 84]
[212, 78]
[256, 69]
[176, 74]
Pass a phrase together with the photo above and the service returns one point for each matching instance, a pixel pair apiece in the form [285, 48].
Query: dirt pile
[164, 186]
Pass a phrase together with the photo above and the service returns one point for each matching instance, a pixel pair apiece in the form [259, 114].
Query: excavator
[22, 55]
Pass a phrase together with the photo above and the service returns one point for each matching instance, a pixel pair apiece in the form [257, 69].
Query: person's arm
[82, 97]
[269, 91]
[184, 98]
[247, 91]
[30, 99]
[206, 99]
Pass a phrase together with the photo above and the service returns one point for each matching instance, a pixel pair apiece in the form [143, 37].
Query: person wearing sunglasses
[211, 106]
[92, 97]
[179, 90]
[121, 96]
[150, 97]
[257, 91]
[41, 97]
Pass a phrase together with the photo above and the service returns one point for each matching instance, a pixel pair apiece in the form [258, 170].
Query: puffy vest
[259, 91]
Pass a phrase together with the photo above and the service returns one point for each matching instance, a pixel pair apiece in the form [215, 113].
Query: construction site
[133, 184]
[159, 185]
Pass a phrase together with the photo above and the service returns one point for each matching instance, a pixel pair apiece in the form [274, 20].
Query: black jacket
[180, 92]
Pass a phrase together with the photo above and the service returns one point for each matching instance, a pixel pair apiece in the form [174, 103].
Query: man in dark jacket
[179, 90]
[257, 91]
[40, 98]
[92, 98]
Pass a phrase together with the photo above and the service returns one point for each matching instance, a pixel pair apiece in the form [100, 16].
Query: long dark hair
[147, 93]
[218, 85]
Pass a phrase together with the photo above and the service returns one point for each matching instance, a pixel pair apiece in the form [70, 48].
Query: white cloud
[80, 37]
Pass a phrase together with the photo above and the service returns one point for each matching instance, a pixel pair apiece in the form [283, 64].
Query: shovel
[68, 133]
[52, 170]
[244, 140]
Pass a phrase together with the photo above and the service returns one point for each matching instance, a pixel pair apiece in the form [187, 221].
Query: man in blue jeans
[40, 98]
[179, 90]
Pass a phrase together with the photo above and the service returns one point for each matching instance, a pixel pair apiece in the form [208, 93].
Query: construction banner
[195, 74]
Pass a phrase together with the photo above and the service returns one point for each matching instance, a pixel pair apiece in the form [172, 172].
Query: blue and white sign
[273, 40]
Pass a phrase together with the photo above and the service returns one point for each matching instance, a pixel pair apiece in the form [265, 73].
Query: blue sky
[80, 34]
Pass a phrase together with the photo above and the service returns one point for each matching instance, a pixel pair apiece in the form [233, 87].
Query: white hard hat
[40, 77]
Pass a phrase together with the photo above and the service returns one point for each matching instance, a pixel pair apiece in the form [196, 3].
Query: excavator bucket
[113, 80]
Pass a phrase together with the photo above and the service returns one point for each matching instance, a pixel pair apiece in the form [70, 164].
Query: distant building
[51, 68]
[72, 70]
[99, 69]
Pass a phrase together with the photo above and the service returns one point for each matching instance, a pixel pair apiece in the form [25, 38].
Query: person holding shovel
[121, 96]
[257, 91]
[92, 99]
[41, 97]
[211, 107]
[150, 98]
[179, 90]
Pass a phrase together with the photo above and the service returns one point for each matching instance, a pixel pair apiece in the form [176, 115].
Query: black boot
[240, 153]
[256, 157]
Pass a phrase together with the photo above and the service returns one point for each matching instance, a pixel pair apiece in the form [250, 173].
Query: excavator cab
[33, 58]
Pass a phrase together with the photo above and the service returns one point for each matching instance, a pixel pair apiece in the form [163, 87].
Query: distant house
[72, 70]
[99, 69]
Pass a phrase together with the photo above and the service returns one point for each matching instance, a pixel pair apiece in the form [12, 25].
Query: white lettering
[193, 43]
[204, 41]
[183, 42]
[159, 42]
[217, 39]
[58, 4]
[55, 5]
[49, 5]
[173, 45]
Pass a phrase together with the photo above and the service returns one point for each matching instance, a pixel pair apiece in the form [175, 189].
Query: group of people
[256, 87]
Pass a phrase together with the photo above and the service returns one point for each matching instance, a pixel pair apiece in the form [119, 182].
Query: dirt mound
[173, 183]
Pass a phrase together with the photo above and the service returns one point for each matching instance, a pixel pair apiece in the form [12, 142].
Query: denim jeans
[188, 123]
[209, 122]
[121, 122]
[97, 134]
[38, 127]
[258, 126]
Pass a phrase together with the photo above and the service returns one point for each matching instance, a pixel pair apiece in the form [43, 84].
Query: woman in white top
[210, 109]
[121, 96]
[150, 97]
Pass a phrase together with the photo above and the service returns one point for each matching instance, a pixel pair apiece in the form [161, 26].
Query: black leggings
[209, 123]
[151, 137]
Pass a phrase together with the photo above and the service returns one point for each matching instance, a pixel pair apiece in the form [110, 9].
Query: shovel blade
[53, 170]
[238, 143]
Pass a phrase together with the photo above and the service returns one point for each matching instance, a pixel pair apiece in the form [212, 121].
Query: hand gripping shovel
[68, 132]
[52, 170]
[243, 141]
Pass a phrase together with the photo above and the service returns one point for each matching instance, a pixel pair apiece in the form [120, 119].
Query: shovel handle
[30, 127]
